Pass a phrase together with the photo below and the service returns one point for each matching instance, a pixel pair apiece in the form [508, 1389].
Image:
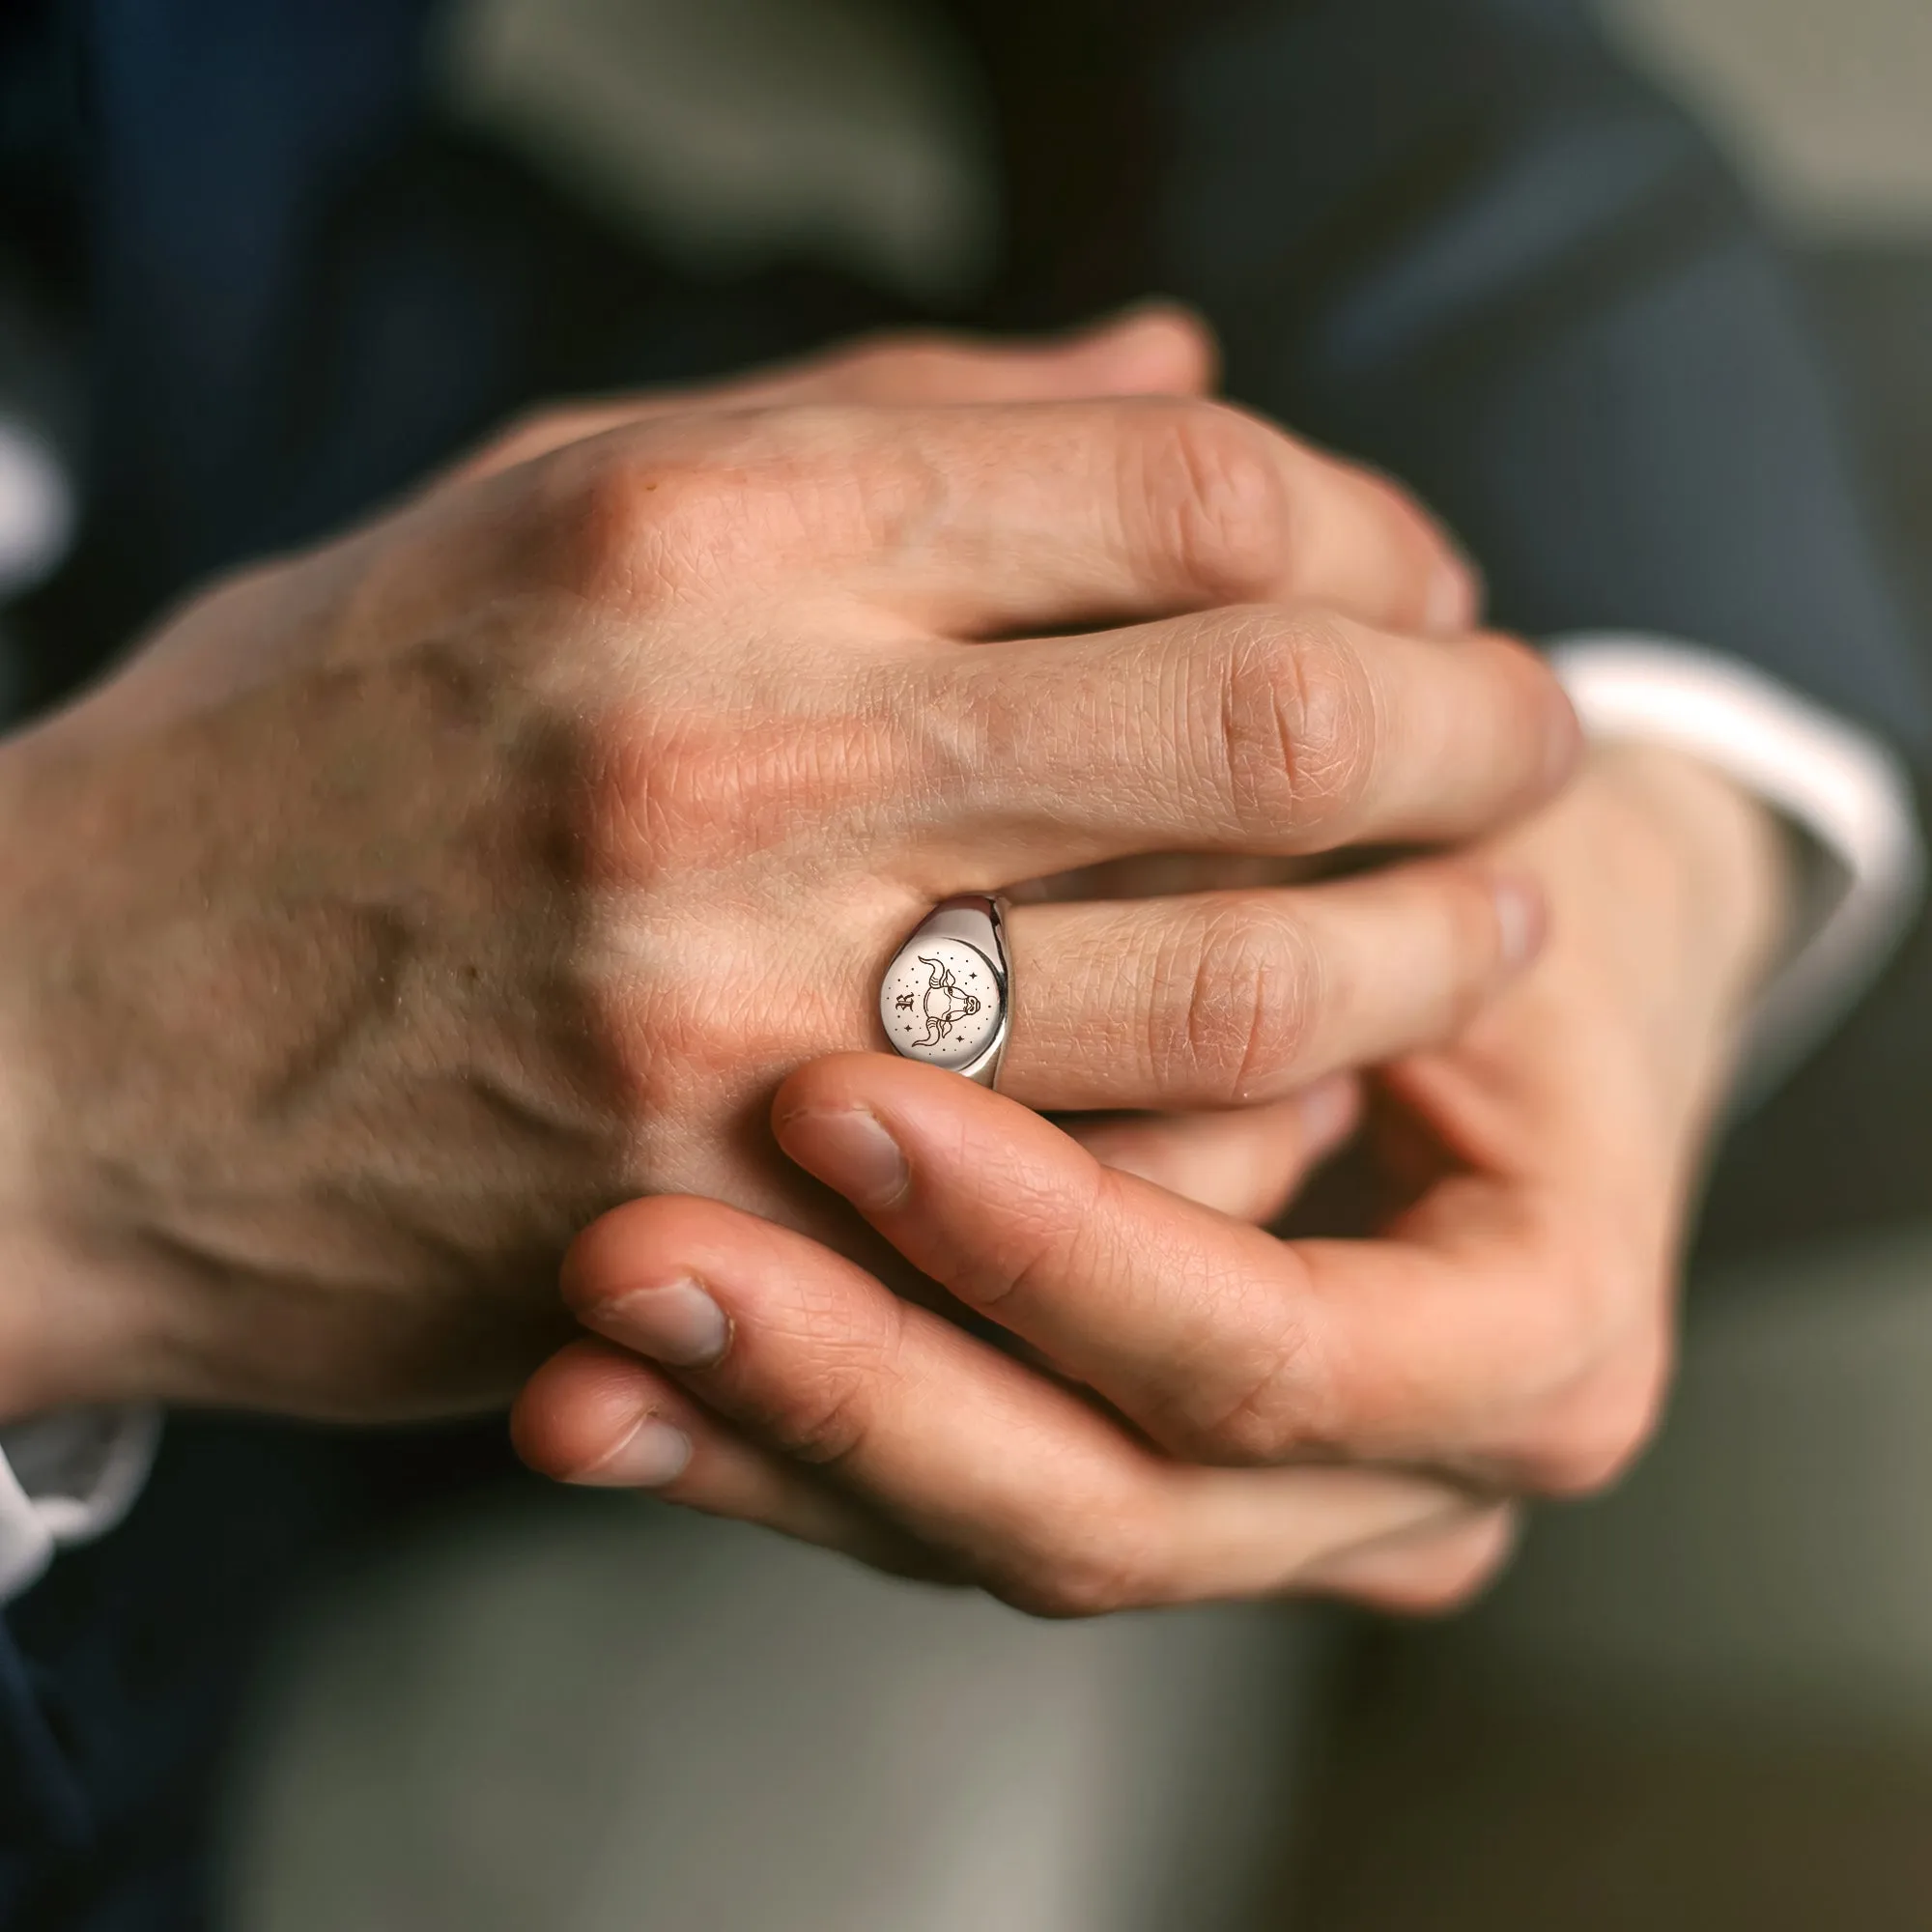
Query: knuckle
[643, 527]
[1598, 1438]
[1035, 1252]
[545, 429]
[966, 720]
[689, 509]
[1047, 1240]
[835, 1374]
[1080, 1577]
[1593, 1355]
[1218, 497]
[1247, 1005]
[664, 1044]
[824, 1421]
[654, 788]
[658, 1044]
[527, 432]
[1296, 733]
[638, 1052]
[1452, 1577]
[720, 772]
[1276, 1415]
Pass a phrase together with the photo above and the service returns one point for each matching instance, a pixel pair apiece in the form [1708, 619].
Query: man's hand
[403, 905]
[1337, 1416]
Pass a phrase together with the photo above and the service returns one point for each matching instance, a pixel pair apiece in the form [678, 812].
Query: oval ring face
[941, 1003]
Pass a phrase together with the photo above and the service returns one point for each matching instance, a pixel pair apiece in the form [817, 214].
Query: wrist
[1671, 892]
[78, 1323]
[1728, 859]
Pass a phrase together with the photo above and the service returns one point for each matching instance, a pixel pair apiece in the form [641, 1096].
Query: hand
[1339, 1416]
[401, 905]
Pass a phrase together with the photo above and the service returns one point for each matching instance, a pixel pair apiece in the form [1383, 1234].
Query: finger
[1248, 1163]
[1229, 998]
[1449, 1341]
[1185, 1321]
[1423, 1573]
[1157, 349]
[985, 520]
[1258, 730]
[1017, 1481]
[598, 1417]
[1516, 1333]
[1160, 349]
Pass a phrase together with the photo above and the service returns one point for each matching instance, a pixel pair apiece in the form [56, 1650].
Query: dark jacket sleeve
[1464, 240]
[123, 1670]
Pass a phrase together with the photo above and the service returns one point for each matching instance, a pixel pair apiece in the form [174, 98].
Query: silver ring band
[947, 998]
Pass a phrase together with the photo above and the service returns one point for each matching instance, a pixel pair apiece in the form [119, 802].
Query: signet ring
[947, 998]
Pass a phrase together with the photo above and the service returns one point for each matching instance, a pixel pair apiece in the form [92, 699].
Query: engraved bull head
[943, 1003]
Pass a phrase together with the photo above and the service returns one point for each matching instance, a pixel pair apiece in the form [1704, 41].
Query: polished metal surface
[947, 998]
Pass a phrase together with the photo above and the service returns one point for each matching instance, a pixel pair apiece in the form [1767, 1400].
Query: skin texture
[1193, 1407]
[419, 897]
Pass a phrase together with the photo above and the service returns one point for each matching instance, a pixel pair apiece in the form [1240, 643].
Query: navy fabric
[1451, 234]
[1456, 237]
[123, 1671]
[224, 135]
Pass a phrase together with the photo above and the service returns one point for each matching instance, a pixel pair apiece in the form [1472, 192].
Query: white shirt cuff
[67, 1479]
[1845, 789]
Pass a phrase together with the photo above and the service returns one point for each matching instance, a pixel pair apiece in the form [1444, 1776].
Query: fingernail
[1328, 1111]
[652, 1454]
[1522, 920]
[679, 1326]
[850, 1151]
